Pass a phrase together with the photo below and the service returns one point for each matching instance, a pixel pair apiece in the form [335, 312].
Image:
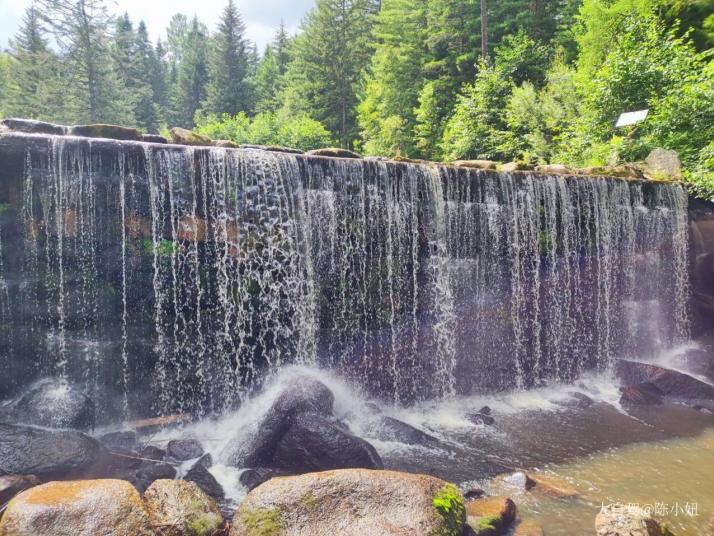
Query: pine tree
[228, 90]
[160, 80]
[147, 110]
[32, 70]
[330, 54]
[281, 49]
[189, 92]
[93, 91]
[267, 83]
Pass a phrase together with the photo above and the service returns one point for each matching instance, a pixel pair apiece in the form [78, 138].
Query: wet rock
[11, 485]
[201, 476]
[490, 516]
[301, 394]
[205, 461]
[528, 527]
[574, 399]
[476, 164]
[625, 520]
[154, 138]
[481, 418]
[31, 126]
[151, 452]
[334, 152]
[113, 132]
[663, 164]
[123, 440]
[182, 136]
[252, 478]
[485, 410]
[518, 481]
[671, 383]
[226, 144]
[315, 443]
[552, 485]
[473, 494]
[178, 508]
[390, 429]
[272, 148]
[79, 508]
[148, 473]
[642, 394]
[353, 502]
[53, 404]
[184, 449]
[28, 450]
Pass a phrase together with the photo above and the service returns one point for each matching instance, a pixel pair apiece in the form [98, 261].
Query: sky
[261, 17]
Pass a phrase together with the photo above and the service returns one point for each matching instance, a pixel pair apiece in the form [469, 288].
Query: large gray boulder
[663, 164]
[29, 450]
[79, 508]
[351, 502]
[180, 508]
[51, 403]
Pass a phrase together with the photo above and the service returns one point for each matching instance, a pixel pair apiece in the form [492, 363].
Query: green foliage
[189, 90]
[163, 249]
[262, 522]
[449, 503]
[521, 58]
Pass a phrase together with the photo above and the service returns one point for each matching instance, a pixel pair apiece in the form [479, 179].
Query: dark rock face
[152, 453]
[154, 138]
[34, 127]
[315, 443]
[252, 478]
[334, 152]
[113, 132]
[643, 394]
[27, 450]
[390, 429]
[200, 475]
[14, 484]
[671, 383]
[184, 449]
[575, 400]
[480, 418]
[148, 472]
[121, 440]
[51, 403]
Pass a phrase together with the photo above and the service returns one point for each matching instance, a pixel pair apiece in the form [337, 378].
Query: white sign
[631, 118]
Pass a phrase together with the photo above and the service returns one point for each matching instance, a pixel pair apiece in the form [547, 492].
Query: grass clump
[449, 503]
[262, 522]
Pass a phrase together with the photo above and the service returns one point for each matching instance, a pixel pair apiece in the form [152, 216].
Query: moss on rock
[100, 130]
[182, 136]
[262, 522]
[450, 504]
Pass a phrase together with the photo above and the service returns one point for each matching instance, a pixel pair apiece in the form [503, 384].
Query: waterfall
[181, 278]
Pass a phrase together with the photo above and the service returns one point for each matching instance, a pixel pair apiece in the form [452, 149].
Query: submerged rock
[390, 429]
[354, 502]
[80, 508]
[31, 126]
[28, 450]
[184, 449]
[316, 443]
[182, 136]
[481, 418]
[552, 485]
[11, 485]
[625, 520]
[179, 508]
[642, 394]
[528, 527]
[490, 516]
[334, 152]
[476, 164]
[113, 132]
[51, 403]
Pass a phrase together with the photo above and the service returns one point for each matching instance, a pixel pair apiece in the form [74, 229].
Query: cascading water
[185, 276]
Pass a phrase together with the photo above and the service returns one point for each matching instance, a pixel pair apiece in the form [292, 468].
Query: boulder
[147, 473]
[663, 164]
[226, 144]
[476, 164]
[514, 166]
[184, 449]
[353, 502]
[626, 520]
[301, 394]
[480, 418]
[390, 429]
[254, 477]
[150, 452]
[11, 485]
[51, 403]
[671, 383]
[317, 443]
[122, 440]
[201, 476]
[473, 493]
[552, 485]
[528, 527]
[490, 516]
[28, 450]
[178, 508]
[182, 136]
[113, 132]
[574, 400]
[31, 126]
[555, 169]
[642, 394]
[154, 138]
[80, 508]
[334, 152]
